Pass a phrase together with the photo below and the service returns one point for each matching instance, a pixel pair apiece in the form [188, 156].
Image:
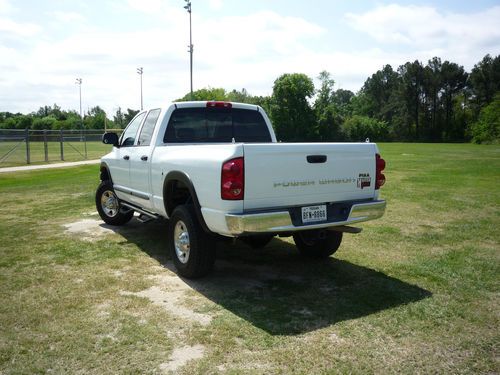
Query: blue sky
[46, 45]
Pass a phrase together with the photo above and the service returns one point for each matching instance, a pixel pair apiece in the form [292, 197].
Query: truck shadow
[278, 291]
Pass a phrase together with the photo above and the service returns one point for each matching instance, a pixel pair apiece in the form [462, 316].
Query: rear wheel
[109, 207]
[191, 248]
[317, 243]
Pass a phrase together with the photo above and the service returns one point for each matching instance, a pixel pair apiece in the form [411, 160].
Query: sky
[46, 45]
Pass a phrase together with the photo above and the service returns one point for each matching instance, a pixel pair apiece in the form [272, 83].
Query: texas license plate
[312, 214]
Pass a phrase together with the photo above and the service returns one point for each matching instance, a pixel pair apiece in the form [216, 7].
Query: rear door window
[196, 125]
[148, 128]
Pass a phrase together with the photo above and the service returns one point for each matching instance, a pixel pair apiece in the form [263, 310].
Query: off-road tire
[185, 232]
[108, 205]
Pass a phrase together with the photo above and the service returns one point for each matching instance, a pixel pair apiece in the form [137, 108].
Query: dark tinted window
[249, 126]
[148, 127]
[216, 125]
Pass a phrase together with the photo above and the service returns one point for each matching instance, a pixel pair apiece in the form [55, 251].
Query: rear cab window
[213, 125]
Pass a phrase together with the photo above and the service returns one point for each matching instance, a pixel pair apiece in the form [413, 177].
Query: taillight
[219, 105]
[233, 179]
[380, 166]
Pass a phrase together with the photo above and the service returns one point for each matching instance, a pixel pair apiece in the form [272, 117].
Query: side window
[128, 136]
[148, 128]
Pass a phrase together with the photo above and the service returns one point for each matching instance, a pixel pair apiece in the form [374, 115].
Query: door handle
[316, 159]
[144, 158]
[126, 157]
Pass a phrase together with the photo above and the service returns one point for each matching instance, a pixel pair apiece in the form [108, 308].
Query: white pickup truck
[215, 169]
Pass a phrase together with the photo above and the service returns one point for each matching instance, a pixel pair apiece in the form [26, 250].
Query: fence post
[85, 142]
[61, 141]
[27, 140]
[45, 147]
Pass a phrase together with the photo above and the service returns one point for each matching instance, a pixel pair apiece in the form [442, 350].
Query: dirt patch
[170, 294]
[171, 300]
[89, 229]
[181, 357]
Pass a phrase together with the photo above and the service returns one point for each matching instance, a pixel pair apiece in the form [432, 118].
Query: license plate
[312, 214]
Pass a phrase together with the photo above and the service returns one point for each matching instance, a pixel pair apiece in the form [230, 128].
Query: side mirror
[110, 139]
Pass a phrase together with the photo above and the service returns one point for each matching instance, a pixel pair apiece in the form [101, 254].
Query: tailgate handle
[316, 159]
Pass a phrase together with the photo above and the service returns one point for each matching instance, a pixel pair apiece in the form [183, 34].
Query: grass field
[416, 292]
[14, 153]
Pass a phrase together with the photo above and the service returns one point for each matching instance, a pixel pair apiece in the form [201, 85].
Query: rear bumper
[281, 221]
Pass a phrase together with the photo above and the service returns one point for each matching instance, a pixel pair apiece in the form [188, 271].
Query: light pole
[140, 71]
[79, 83]
[190, 50]
[84, 138]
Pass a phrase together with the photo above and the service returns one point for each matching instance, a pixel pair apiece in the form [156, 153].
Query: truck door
[140, 163]
[120, 164]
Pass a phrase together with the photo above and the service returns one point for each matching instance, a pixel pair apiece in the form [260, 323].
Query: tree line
[55, 118]
[435, 102]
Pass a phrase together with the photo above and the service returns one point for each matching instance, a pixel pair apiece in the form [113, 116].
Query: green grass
[14, 153]
[415, 292]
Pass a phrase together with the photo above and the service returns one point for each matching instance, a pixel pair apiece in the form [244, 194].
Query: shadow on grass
[278, 291]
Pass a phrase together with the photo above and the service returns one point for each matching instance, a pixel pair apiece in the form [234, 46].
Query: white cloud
[66, 17]
[6, 7]
[21, 29]
[422, 28]
[215, 4]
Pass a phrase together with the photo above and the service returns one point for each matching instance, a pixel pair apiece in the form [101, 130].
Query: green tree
[410, 91]
[432, 82]
[119, 118]
[377, 92]
[95, 118]
[240, 96]
[292, 115]
[358, 128]
[209, 93]
[44, 123]
[485, 81]
[129, 116]
[453, 79]
[487, 128]
[343, 100]
[327, 112]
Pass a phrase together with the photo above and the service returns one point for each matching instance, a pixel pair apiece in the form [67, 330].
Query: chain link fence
[19, 147]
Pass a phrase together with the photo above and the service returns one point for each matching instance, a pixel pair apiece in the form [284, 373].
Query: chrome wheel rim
[181, 242]
[109, 203]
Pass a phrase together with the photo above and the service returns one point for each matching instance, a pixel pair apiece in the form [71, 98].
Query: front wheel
[317, 243]
[108, 205]
[191, 248]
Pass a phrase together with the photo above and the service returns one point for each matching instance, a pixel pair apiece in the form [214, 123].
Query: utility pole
[79, 83]
[82, 137]
[190, 50]
[140, 71]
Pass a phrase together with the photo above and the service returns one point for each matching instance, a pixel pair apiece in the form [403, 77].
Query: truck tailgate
[298, 174]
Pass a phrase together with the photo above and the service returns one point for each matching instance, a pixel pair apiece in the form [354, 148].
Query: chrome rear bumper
[276, 222]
